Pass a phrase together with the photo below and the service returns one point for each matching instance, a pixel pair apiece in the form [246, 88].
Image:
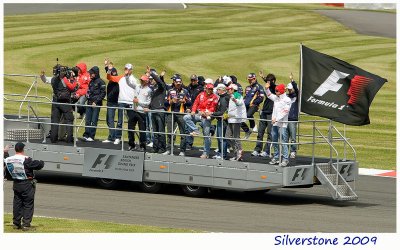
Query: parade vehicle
[110, 163]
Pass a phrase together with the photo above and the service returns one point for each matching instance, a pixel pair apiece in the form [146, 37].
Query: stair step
[22, 134]
[332, 178]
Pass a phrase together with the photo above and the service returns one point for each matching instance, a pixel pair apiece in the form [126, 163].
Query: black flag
[335, 89]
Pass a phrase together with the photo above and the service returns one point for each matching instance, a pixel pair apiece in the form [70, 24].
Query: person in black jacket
[222, 107]
[95, 95]
[265, 120]
[21, 169]
[194, 88]
[62, 89]
[158, 118]
[112, 102]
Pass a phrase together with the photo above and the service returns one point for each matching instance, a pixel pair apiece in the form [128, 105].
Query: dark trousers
[261, 131]
[250, 115]
[140, 119]
[129, 113]
[56, 111]
[178, 119]
[23, 204]
[158, 123]
[92, 117]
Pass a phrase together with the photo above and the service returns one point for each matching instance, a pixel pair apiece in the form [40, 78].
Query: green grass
[209, 40]
[55, 225]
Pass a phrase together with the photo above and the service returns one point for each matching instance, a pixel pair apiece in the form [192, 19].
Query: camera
[59, 70]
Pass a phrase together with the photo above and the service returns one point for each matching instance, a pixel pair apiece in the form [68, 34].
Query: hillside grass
[57, 225]
[208, 40]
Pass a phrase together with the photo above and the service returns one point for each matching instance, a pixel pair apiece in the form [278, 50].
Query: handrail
[337, 160]
[347, 142]
[39, 96]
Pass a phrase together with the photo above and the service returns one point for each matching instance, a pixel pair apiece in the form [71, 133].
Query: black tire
[107, 183]
[194, 191]
[150, 187]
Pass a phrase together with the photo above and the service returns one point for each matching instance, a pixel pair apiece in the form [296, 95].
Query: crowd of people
[159, 108]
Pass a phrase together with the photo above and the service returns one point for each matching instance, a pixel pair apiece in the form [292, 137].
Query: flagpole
[299, 97]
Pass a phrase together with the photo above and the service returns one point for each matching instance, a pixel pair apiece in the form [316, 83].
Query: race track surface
[371, 23]
[284, 210]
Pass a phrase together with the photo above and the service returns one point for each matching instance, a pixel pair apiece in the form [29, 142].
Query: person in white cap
[127, 83]
[293, 93]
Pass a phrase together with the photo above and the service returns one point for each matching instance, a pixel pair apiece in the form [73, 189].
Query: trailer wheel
[194, 191]
[107, 183]
[150, 187]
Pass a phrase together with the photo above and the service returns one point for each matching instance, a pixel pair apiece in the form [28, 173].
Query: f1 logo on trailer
[102, 162]
[299, 175]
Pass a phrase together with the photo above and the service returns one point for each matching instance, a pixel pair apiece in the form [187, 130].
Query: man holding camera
[63, 83]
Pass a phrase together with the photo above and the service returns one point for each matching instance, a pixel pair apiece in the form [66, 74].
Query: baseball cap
[144, 78]
[209, 81]
[251, 76]
[232, 86]
[19, 146]
[221, 86]
[128, 66]
[209, 86]
[193, 77]
[290, 86]
[227, 80]
[280, 88]
[175, 76]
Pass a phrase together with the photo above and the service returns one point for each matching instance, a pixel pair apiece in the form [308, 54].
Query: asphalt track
[283, 210]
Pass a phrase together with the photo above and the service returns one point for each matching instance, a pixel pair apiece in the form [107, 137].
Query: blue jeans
[291, 128]
[92, 117]
[191, 121]
[276, 131]
[110, 120]
[81, 101]
[129, 112]
[149, 127]
[222, 143]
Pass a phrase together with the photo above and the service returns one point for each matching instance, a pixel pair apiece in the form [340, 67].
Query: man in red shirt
[202, 109]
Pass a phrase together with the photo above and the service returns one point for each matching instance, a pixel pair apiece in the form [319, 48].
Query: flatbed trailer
[109, 163]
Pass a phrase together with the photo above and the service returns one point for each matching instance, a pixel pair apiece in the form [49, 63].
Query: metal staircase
[329, 176]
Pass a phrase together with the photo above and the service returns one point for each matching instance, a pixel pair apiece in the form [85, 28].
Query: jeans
[250, 114]
[232, 133]
[81, 101]
[276, 131]
[129, 112]
[191, 121]
[261, 131]
[222, 143]
[291, 128]
[178, 119]
[140, 119]
[149, 127]
[158, 124]
[92, 117]
[110, 120]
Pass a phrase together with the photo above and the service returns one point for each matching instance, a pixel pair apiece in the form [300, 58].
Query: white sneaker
[293, 155]
[228, 150]
[274, 161]
[263, 154]
[166, 152]
[150, 144]
[255, 129]
[106, 141]
[255, 153]
[284, 163]
[218, 157]
[117, 141]
[216, 150]
[85, 138]
[89, 139]
[182, 154]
